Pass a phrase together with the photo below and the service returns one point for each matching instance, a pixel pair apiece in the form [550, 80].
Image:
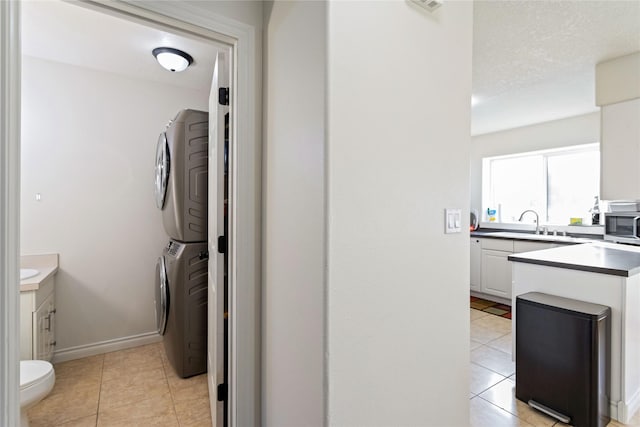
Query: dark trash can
[563, 358]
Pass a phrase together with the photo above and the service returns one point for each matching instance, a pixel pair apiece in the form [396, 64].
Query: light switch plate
[452, 221]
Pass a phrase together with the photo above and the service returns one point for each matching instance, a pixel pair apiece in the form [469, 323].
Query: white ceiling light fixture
[172, 59]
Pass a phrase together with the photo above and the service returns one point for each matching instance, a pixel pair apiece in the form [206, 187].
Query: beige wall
[578, 130]
[88, 147]
[398, 155]
[293, 191]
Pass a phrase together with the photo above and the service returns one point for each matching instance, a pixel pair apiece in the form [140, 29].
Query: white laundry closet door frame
[215, 339]
[246, 232]
[10, 62]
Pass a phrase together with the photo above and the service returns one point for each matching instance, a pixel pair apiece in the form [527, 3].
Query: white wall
[584, 129]
[88, 146]
[293, 186]
[398, 155]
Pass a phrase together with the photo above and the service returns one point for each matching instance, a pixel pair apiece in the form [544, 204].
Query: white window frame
[546, 154]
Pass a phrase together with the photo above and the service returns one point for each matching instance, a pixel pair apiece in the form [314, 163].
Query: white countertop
[47, 266]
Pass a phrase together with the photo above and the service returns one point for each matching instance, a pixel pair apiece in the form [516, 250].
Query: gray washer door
[163, 165]
[162, 296]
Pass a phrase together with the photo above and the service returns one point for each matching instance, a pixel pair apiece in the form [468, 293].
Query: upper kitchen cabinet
[618, 95]
[620, 151]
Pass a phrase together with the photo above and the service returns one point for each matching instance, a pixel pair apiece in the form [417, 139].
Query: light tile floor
[493, 402]
[133, 387]
[137, 387]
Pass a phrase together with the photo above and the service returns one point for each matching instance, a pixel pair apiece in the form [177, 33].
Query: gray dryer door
[162, 296]
[163, 165]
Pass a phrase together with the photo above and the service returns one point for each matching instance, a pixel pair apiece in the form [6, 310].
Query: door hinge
[222, 392]
[222, 244]
[223, 95]
[203, 255]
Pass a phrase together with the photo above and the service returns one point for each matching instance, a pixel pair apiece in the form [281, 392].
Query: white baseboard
[613, 410]
[108, 346]
[629, 408]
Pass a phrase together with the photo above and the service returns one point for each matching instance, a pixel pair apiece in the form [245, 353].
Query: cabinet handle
[48, 328]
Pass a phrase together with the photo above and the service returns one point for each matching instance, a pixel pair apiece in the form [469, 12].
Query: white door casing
[244, 44]
[10, 63]
[215, 339]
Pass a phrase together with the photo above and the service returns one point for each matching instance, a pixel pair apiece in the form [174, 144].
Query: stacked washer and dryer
[181, 190]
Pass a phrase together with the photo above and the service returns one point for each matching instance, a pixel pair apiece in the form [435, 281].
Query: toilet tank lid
[33, 370]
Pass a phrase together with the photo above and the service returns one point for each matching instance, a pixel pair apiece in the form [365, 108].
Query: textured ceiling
[71, 34]
[535, 61]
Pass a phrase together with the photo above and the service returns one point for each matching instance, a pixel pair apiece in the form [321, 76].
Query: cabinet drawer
[498, 244]
[520, 246]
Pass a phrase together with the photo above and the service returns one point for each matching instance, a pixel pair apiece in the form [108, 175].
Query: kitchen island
[600, 273]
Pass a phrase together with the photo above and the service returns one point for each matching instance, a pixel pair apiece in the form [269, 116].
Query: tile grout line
[505, 410]
[493, 370]
[100, 391]
[99, 369]
[556, 423]
[493, 385]
[504, 377]
[166, 378]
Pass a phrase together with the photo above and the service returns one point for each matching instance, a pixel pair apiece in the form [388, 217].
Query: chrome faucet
[537, 219]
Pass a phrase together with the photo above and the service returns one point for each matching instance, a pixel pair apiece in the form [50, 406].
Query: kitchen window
[558, 184]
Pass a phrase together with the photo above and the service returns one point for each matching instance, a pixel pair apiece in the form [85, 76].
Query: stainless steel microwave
[622, 227]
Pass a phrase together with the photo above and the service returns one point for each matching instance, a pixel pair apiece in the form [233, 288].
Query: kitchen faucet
[537, 219]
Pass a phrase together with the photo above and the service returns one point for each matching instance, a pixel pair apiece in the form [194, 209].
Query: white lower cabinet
[496, 273]
[476, 260]
[490, 266]
[37, 322]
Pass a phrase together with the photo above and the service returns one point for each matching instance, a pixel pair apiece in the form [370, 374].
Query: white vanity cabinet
[37, 321]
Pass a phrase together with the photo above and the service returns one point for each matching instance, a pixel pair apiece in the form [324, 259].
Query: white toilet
[36, 381]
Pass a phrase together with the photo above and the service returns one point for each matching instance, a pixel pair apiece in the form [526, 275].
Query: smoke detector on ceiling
[430, 5]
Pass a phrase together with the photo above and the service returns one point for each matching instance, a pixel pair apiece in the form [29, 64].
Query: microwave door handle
[635, 227]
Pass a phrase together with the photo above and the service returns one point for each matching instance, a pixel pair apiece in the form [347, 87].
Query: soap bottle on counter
[491, 215]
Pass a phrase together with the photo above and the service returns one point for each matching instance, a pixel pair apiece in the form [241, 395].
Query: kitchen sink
[539, 237]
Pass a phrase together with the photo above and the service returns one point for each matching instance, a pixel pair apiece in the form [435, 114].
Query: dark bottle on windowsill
[595, 212]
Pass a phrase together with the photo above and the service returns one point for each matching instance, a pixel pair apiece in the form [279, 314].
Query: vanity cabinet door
[43, 330]
[496, 273]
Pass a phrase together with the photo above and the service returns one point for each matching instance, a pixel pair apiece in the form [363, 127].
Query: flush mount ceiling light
[172, 59]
